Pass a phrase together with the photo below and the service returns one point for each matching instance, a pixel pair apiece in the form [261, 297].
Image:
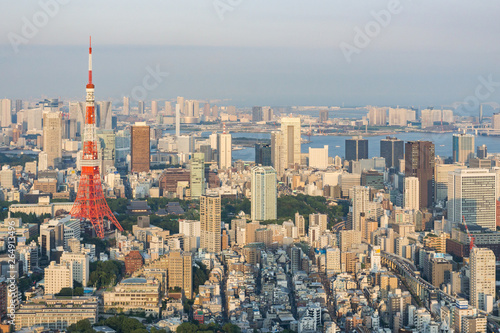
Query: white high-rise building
[5, 112]
[318, 157]
[411, 193]
[290, 129]
[52, 138]
[264, 193]
[472, 194]
[80, 265]
[177, 120]
[224, 149]
[154, 108]
[277, 152]
[482, 277]
[333, 260]
[126, 106]
[360, 198]
[58, 276]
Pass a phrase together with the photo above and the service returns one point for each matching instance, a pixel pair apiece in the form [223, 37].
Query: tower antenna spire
[90, 63]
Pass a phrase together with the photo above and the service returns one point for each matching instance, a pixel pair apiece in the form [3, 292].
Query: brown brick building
[139, 147]
[133, 261]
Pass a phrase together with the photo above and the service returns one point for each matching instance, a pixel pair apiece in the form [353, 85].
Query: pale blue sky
[282, 52]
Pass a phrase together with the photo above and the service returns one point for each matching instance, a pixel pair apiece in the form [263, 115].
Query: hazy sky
[254, 52]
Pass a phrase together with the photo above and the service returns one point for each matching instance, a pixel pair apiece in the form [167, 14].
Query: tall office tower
[392, 150]
[300, 223]
[168, 109]
[267, 114]
[495, 121]
[441, 180]
[5, 112]
[264, 193]
[482, 278]
[189, 108]
[206, 110]
[360, 200]
[377, 116]
[263, 155]
[257, 114]
[177, 120]
[126, 106]
[197, 175]
[52, 138]
[480, 113]
[140, 107]
[356, 148]
[180, 103]
[397, 117]
[482, 151]
[104, 115]
[463, 148]
[215, 111]
[19, 105]
[419, 162]
[447, 116]
[323, 116]
[411, 195]
[154, 108]
[318, 157]
[224, 149]
[180, 271]
[107, 148]
[58, 276]
[80, 264]
[472, 194]
[290, 128]
[210, 210]
[277, 152]
[139, 147]
[426, 118]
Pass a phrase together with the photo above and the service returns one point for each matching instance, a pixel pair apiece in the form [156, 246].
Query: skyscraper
[52, 138]
[419, 162]
[360, 199]
[224, 149]
[356, 148]
[257, 114]
[411, 193]
[126, 106]
[482, 278]
[180, 103]
[210, 219]
[263, 154]
[264, 193]
[277, 152]
[323, 116]
[168, 108]
[482, 151]
[197, 175]
[154, 108]
[104, 115]
[140, 107]
[180, 271]
[5, 112]
[392, 150]
[463, 148]
[472, 194]
[290, 128]
[139, 147]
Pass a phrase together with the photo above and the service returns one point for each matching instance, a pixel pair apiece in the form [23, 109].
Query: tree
[83, 326]
[231, 328]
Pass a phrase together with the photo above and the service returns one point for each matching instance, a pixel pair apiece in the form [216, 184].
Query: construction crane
[471, 239]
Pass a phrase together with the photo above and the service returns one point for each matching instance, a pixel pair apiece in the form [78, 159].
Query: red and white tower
[90, 203]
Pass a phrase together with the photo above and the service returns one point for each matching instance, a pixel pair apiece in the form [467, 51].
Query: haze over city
[256, 52]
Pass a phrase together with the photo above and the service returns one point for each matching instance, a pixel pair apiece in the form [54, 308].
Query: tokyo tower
[90, 203]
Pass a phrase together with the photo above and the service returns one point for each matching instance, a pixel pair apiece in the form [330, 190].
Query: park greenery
[121, 324]
[200, 275]
[105, 273]
[207, 328]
